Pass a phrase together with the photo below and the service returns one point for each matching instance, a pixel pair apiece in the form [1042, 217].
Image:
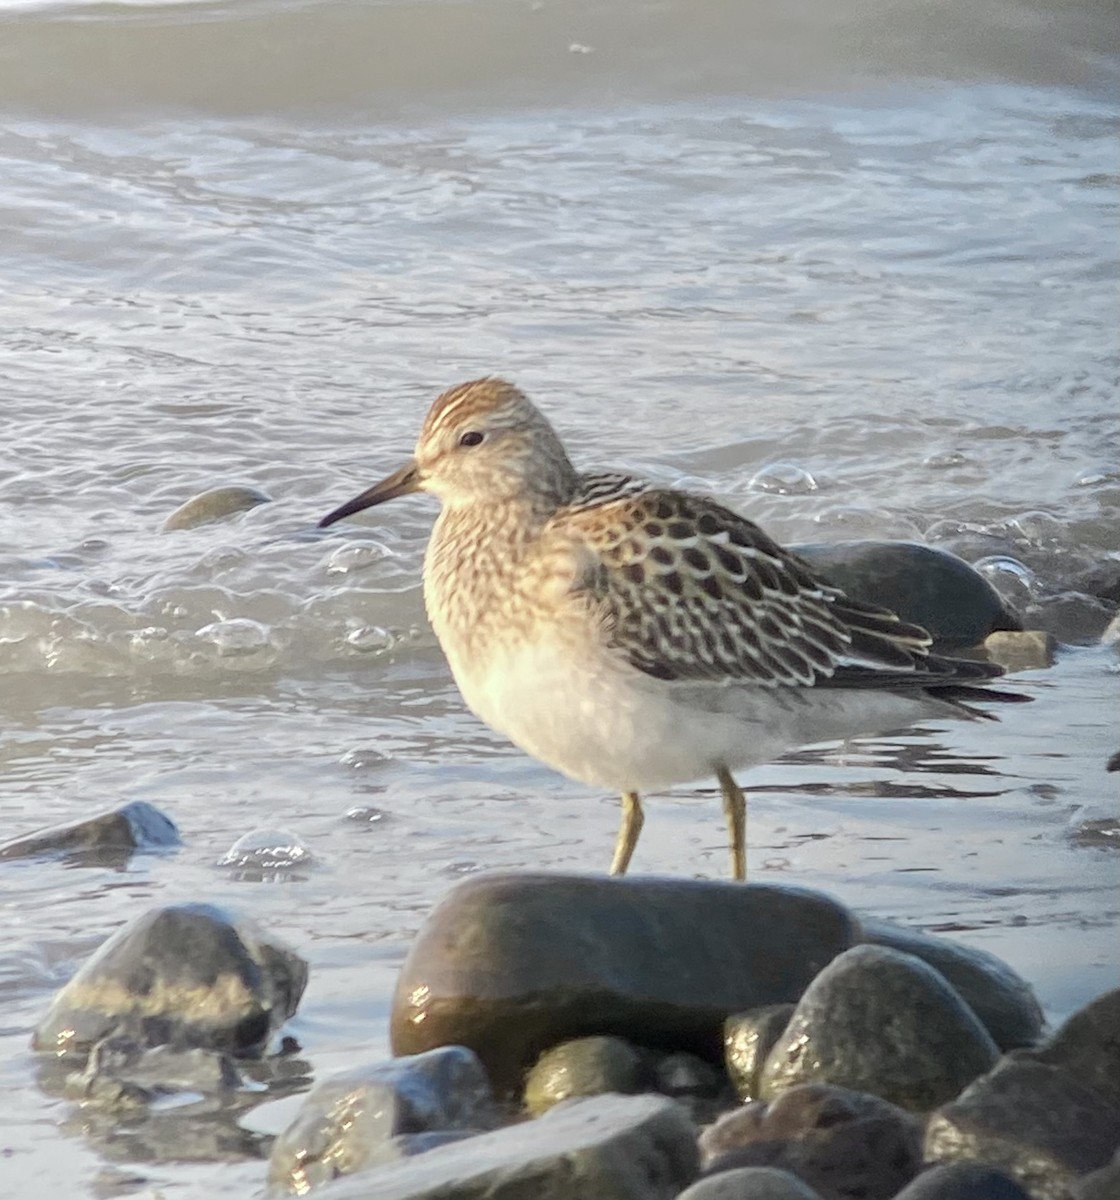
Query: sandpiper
[635, 636]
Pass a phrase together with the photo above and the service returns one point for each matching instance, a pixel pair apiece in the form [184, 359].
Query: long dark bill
[400, 483]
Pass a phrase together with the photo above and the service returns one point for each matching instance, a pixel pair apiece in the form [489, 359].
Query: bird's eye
[471, 438]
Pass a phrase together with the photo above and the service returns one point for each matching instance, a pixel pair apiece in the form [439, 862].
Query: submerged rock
[513, 964]
[1045, 1116]
[880, 1021]
[1003, 1000]
[841, 1142]
[603, 1148]
[1025, 650]
[120, 1074]
[107, 838]
[924, 585]
[382, 1113]
[187, 975]
[214, 505]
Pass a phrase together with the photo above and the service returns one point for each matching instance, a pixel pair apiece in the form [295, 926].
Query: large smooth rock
[880, 1021]
[602, 1148]
[510, 965]
[106, 838]
[358, 1118]
[1004, 1001]
[187, 975]
[924, 585]
[750, 1183]
[842, 1143]
[1044, 1116]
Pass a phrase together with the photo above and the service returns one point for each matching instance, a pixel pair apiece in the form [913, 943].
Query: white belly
[610, 726]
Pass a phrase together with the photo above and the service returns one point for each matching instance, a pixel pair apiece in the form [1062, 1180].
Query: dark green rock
[748, 1039]
[511, 965]
[106, 838]
[187, 975]
[1003, 1001]
[924, 585]
[879, 1021]
[600, 1148]
[588, 1066]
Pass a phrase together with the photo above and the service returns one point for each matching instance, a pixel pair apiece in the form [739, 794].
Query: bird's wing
[688, 590]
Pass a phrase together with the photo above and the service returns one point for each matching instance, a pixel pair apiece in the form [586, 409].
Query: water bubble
[355, 556]
[235, 637]
[266, 852]
[945, 460]
[1014, 581]
[1037, 528]
[364, 758]
[783, 479]
[371, 639]
[1095, 476]
[367, 815]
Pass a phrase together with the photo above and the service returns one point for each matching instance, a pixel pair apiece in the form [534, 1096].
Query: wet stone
[703, 1090]
[840, 1142]
[880, 1021]
[600, 1148]
[214, 505]
[750, 1183]
[513, 964]
[1045, 1116]
[1100, 1185]
[963, 1181]
[748, 1039]
[589, 1066]
[107, 838]
[381, 1113]
[185, 975]
[1024, 650]
[923, 584]
[1003, 1000]
[121, 1073]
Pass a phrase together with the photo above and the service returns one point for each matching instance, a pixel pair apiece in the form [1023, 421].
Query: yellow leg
[628, 830]
[735, 810]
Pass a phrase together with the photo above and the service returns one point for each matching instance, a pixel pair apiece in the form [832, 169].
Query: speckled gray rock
[925, 585]
[188, 975]
[214, 505]
[842, 1143]
[963, 1181]
[588, 1066]
[1004, 1001]
[373, 1114]
[748, 1039]
[877, 1020]
[1044, 1116]
[750, 1183]
[513, 964]
[106, 838]
[601, 1148]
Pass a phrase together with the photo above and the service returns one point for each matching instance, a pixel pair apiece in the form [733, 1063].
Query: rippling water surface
[852, 268]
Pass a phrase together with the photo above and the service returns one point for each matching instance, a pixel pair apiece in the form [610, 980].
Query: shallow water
[851, 268]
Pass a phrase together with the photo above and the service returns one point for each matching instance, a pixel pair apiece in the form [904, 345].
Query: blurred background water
[851, 267]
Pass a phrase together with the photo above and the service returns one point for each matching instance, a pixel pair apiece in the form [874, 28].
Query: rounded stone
[214, 505]
[880, 1021]
[963, 1181]
[187, 975]
[748, 1039]
[750, 1183]
[1004, 1001]
[513, 964]
[922, 584]
[588, 1066]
